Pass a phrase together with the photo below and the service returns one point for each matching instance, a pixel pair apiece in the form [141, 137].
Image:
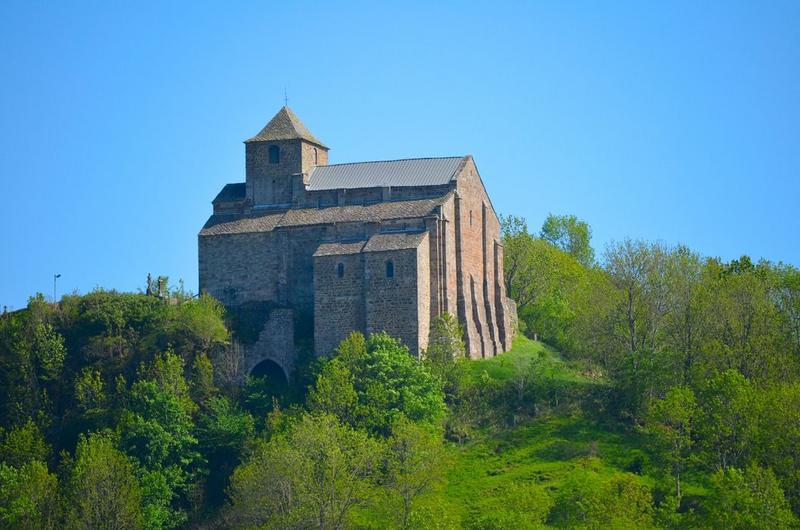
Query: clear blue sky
[119, 122]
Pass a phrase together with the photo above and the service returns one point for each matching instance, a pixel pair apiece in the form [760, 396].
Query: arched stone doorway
[265, 385]
[272, 373]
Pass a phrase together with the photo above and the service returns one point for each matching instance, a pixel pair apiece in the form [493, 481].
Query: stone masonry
[370, 246]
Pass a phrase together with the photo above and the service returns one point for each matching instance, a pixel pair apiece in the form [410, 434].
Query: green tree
[198, 325]
[445, 351]
[638, 269]
[90, 392]
[687, 318]
[727, 425]
[166, 371]
[778, 435]
[103, 491]
[223, 431]
[548, 284]
[23, 444]
[747, 331]
[749, 500]
[202, 380]
[387, 382]
[571, 235]
[156, 429]
[334, 392]
[589, 500]
[28, 497]
[670, 421]
[48, 351]
[311, 476]
[415, 463]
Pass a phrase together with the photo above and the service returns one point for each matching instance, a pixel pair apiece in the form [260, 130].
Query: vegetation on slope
[665, 394]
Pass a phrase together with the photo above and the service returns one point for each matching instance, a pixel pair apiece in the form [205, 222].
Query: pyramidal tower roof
[285, 125]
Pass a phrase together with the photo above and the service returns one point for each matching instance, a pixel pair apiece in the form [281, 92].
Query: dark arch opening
[266, 384]
[271, 371]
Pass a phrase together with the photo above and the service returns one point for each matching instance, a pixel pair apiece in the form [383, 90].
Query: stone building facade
[368, 246]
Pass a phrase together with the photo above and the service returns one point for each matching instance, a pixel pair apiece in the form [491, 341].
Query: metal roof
[394, 173]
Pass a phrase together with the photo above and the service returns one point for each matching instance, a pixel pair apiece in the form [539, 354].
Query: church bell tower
[279, 158]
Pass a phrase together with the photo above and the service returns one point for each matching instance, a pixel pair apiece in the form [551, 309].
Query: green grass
[543, 450]
[503, 366]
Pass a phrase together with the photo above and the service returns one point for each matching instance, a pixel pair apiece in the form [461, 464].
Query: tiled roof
[219, 224]
[285, 125]
[354, 213]
[398, 241]
[264, 222]
[231, 193]
[339, 249]
[395, 173]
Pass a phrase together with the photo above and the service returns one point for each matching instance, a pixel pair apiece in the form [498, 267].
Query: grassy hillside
[565, 442]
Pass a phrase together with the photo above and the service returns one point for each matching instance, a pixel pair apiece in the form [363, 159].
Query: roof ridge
[392, 160]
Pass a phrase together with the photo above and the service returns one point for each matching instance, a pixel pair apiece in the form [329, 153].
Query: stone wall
[339, 300]
[238, 268]
[399, 305]
[479, 271]
[275, 342]
[457, 267]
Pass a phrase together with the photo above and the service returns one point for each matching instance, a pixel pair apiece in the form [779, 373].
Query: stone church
[368, 246]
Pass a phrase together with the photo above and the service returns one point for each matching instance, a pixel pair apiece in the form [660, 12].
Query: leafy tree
[28, 497]
[334, 391]
[670, 421]
[311, 476]
[638, 269]
[156, 430]
[223, 431]
[48, 352]
[687, 318]
[387, 382]
[746, 332]
[788, 291]
[588, 500]
[571, 235]
[23, 444]
[727, 425]
[90, 392]
[202, 380]
[445, 351]
[414, 464]
[778, 436]
[166, 372]
[749, 500]
[446, 343]
[198, 325]
[519, 263]
[103, 491]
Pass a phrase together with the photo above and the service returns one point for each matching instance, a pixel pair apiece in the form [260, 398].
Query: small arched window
[340, 270]
[470, 218]
[315, 156]
[274, 154]
[390, 269]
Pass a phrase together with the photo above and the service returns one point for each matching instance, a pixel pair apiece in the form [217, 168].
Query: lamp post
[55, 279]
